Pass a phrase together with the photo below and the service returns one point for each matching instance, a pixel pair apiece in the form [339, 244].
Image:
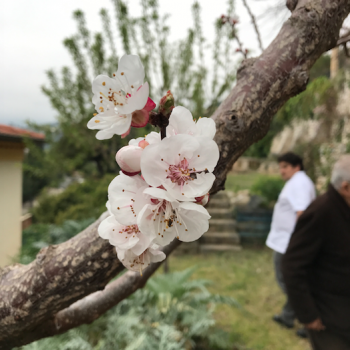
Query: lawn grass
[247, 276]
[236, 182]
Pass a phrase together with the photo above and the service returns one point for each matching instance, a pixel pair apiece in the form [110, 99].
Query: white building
[11, 156]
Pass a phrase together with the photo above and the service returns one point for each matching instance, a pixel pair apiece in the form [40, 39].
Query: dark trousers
[327, 340]
[287, 313]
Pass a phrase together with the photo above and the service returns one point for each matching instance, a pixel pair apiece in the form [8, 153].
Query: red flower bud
[203, 200]
[166, 104]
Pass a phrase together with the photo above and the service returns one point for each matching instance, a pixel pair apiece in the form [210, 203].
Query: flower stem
[162, 133]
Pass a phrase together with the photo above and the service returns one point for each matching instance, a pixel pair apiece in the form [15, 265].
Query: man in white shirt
[297, 194]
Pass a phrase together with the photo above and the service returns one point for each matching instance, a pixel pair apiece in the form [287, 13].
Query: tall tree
[65, 285]
[177, 66]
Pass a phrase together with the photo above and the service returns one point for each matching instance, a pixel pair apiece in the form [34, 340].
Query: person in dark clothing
[316, 265]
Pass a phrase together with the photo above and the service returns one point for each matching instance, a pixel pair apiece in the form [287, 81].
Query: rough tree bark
[94, 305]
[40, 299]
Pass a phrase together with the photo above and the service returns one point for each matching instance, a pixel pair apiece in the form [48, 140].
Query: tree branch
[265, 83]
[31, 296]
[343, 39]
[252, 17]
[291, 4]
[347, 54]
[96, 304]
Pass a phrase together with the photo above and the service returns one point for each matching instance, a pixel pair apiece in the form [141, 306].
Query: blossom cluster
[163, 184]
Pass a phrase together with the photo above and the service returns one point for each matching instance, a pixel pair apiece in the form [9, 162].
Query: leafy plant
[38, 236]
[77, 202]
[171, 313]
[268, 187]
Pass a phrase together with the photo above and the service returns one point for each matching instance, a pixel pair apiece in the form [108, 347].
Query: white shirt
[296, 195]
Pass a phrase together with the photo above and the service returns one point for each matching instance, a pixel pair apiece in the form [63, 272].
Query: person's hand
[316, 325]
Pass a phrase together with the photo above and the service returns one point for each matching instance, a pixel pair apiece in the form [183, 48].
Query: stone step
[220, 213]
[187, 248]
[220, 238]
[219, 248]
[220, 195]
[222, 225]
[219, 203]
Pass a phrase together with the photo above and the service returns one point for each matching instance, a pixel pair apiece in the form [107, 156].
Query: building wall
[11, 155]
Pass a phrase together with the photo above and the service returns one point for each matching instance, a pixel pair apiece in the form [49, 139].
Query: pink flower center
[140, 261]
[130, 230]
[180, 173]
[166, 217]
[160, 203]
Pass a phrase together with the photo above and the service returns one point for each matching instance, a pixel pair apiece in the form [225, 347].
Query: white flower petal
[123, 237]
[195, 221]
[180, 122]
[206, 156]
[124, 242]
[153, 169]
[154, 226]
[108, 206]
[196, 188]
[99, 122]
[134, 262]
[120, 253]
[132, 69]
[145, 221]
[109, 126]
[142, 244]
[153, 137]
[156, 255]
[206, 127]
[135, 142]
[100, 88]
[165, 238]
[160, 194]
[122, 194]
[105, 134]
[136, 102]
[106, 227]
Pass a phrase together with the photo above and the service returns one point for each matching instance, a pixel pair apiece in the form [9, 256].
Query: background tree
[178, 66]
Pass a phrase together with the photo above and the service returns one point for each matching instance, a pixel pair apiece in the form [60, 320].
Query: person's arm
[300, 198]
[303, 248]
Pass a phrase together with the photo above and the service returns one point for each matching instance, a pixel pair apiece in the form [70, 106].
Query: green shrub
[170, 313]
[38, 236]
[77, 202]
[268, 187]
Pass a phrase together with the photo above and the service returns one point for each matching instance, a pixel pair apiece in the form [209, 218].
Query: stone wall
[320, 130]
[249, 164]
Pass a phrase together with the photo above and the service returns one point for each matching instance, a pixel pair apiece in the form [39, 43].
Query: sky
[32, 33]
